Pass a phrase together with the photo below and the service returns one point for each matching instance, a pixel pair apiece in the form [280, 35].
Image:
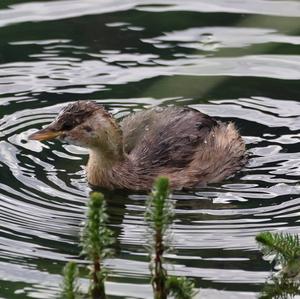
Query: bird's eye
[87, 128]
[67, 126]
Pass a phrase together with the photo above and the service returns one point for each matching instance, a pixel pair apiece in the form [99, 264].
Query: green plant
[181, 287]
[96, 240]
[70, 283]
[280, 288]
[159, 216]
[285, 248]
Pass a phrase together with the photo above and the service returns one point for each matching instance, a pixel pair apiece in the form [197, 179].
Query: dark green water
[237, 60]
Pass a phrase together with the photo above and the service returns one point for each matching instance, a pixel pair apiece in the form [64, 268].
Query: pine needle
[285, 247]
[280, 289]
[96, 241]
[159, 217]
[70, 282]
[181, 287]
[96, 237]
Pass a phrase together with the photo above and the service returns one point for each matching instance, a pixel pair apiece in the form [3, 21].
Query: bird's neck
[105, 158]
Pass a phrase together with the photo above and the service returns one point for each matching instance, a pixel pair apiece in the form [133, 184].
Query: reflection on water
[235, 60]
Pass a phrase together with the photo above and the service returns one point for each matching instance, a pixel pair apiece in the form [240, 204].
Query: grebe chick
[192, 149]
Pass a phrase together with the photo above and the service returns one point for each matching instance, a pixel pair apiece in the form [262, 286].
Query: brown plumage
[189, 147]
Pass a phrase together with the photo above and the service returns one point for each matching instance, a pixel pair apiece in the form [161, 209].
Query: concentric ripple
[39, 200]
[235, 60]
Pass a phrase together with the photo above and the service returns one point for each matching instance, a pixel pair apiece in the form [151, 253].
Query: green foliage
[159, 216]
[159, 212]
[280, 288]
[285, 247]
[96, 239]
[292, 269]
[181, 287]
[70, 283]
[286, 251]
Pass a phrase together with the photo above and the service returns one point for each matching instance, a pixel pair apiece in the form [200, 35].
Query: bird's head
[83, 123]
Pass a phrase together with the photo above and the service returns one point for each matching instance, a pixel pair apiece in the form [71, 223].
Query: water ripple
[235, 60]
[56, 10]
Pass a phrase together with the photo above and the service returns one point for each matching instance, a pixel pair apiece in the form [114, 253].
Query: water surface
[235, 60]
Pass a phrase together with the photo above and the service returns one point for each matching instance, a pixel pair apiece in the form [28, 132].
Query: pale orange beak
[45, 134]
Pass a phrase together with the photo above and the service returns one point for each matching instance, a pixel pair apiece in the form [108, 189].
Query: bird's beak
[45, 134]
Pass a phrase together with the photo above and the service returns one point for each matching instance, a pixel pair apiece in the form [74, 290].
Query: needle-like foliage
[181, 287]
[159, 212]
[96, 240]
[70, 283]
[284, 247]
[280, 288]
[159, 216]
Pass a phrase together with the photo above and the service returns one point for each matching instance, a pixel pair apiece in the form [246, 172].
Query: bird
[181, 143]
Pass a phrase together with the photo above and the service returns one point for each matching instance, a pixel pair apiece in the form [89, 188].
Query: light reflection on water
[233, 60]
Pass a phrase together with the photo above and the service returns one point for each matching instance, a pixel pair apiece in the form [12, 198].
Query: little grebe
[183, 144]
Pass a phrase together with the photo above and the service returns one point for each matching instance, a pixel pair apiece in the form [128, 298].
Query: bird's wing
[165, 137]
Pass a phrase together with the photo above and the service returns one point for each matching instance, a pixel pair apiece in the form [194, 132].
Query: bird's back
[189, 147]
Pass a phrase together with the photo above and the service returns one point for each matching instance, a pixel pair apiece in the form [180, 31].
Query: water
[236, 60]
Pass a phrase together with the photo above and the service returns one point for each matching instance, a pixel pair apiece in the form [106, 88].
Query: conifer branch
[96, 240]
[159, 217]
[70, 283]
[280, 289]
[285, 247]
[181, 287]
